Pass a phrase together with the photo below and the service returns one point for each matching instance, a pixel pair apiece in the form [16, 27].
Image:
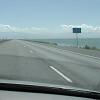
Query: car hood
[35, 87]
[40, 84]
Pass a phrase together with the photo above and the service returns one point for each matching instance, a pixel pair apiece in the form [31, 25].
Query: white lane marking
[31, 51]
[24, 46]
[61, 74]
[82, 54]
[76, 53]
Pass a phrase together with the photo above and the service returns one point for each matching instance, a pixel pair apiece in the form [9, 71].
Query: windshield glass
[51, 41]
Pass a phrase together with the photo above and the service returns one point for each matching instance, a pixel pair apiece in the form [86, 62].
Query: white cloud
[33, 29]
[64, 31]
[85, 28]
[8, 28]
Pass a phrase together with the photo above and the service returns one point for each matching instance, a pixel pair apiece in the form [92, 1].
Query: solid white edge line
[82, 54]
[31, 51]
[76, 53]
[61, 74]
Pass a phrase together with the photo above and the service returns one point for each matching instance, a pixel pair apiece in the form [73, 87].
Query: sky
[49, 18]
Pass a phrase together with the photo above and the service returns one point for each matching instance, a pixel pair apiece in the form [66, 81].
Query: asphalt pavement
[27, 61]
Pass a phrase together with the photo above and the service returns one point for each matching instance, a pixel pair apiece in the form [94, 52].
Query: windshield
[53, 42]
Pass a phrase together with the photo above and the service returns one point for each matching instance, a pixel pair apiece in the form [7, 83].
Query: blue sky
[50, 17]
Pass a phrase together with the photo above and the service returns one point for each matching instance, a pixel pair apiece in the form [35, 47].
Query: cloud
[85, 28]
[64, 31]
[9, 28]
[33, 29]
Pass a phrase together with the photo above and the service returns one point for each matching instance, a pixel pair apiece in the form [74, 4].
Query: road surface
[23, 60]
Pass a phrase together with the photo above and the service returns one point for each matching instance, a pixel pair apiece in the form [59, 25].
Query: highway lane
[19, 62]
[22, 60]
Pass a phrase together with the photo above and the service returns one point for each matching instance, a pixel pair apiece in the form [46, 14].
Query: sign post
[77, 31]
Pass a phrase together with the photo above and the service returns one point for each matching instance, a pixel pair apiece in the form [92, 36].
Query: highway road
[26, 61]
